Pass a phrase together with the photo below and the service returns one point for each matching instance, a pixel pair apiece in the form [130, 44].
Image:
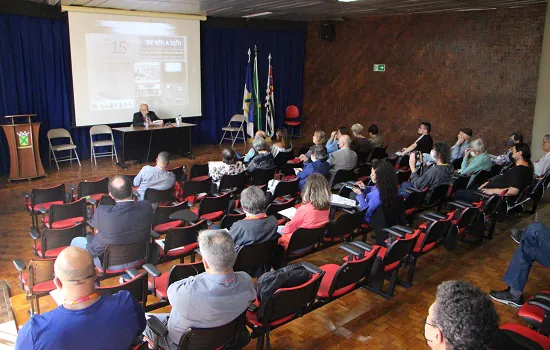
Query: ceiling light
[258, 14]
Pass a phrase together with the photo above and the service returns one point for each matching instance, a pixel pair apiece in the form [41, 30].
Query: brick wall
[457, 69]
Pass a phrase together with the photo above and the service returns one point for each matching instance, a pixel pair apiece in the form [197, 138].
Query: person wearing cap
[463, 142]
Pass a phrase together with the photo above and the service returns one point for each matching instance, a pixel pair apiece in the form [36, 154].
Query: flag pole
[268, 90]
[256, 86]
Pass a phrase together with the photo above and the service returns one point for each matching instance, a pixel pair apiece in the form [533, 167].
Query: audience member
[155, 177]
[512, 180]
[438, 174]
[318, 139]
[332, 143]
[374, 137]
[384, 192]
[506, 158]
[534, 245]
[475, 158]
[283, 143]
[251, 152]
[126, 222]
[317, 165]
[461, 317]
[424, 143]
[359, 142]
[463, 142]
[85, 320]
[314, 211]
[542, 166]
[230, 166]
[210, 299]
[263, 158]
[257, 227]
[344, 158]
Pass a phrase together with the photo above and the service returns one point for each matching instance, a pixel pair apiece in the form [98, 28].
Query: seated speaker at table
[144, 115]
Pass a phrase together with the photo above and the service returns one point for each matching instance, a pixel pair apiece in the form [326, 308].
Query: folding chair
[36, 280]
[50, 242]
[464, 218]
[292, 120]
[64, 215]
[136, 286]
[414, 201]
[42, 199]
[237, 118]
[436, 197]
[256, 259]
[71, 147]
[478, 179]
[102, 130]
[285, 305]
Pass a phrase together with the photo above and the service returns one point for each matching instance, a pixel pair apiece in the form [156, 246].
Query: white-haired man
[144, 116]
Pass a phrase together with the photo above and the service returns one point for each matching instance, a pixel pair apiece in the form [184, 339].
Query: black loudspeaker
[326, 31]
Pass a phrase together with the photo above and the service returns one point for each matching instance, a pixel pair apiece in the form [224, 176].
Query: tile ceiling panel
[301, 10]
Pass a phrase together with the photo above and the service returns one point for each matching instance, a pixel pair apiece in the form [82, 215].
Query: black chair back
[353, 271]
[303, 150]
[459, 182]
[363, 157]
[537, 190]
[457, 163]
[364, 170]
[275, 207]
[399, 250]
[46, 195]
[213, 204]
[178, 172]
[76, 209]
[305, 237]
[162, 213]
[288, 168]
[198, 170]
[229, 335]
[415, 199]
[343, 176]
[436, 232]
[56, 238]
[403, 175]
[192, 188]
[159, 196]
[229, 219]
[345, 224]
[284, 188]
[137, 287]
[106, 200]
[479, 179]
[497, 169]
[256, 259]
[181, 236]
[283, 157]
[88, 188]
[261, 176]
[491, 205]
[378, 153]
[229, 182]
[182, 271]
[467, 217]
[437, 195]
[122, 254]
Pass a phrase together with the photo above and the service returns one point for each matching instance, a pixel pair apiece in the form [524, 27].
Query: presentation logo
[24, 139]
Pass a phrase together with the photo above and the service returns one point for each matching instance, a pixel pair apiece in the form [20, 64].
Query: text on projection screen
[119, 62]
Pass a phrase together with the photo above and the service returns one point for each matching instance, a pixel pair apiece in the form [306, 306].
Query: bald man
[85, 320]
[155, 177]
[344, 158]
[144, 116]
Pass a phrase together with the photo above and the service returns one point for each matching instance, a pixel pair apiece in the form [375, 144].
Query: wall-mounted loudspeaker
[325, 30]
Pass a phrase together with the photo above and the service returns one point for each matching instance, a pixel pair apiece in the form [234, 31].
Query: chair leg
[77, 159]
[50, 158]
[393, 280]
[55, 158]
[223, 137]
[410, 274]
[260, 342]
[114, 149]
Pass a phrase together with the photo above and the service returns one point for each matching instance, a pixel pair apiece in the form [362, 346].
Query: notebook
[288, 212]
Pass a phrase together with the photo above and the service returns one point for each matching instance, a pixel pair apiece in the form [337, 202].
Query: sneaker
[506, 298]
[516, 235]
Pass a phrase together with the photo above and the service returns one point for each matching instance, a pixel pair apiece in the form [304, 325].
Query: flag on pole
[257, 104]
[269, 102]
[248, 109]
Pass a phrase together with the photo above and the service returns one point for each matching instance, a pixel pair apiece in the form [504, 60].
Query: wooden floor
[360, 319]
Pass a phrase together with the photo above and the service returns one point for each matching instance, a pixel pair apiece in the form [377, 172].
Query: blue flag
[248, 101]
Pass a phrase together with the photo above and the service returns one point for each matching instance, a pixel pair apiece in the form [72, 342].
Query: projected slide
[120, 62]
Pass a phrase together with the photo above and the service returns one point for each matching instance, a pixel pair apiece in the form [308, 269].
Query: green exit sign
[379, 68]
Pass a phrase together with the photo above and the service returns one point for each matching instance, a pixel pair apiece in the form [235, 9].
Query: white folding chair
[57, 134]
[237, 118]
[102, 130]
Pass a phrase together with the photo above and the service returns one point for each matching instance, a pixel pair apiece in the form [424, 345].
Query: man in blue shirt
[155, 177]
[85, 320]
[318, 164]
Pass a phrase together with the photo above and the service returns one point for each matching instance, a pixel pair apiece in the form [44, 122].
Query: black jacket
[140, 121]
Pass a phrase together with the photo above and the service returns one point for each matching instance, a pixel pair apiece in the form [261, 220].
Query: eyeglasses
[429, 324]
[79, 281]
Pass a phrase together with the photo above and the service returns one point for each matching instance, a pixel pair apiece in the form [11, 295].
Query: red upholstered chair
[479, 179]
[180, 242]
[256, 259]
[363, 173]
[64, 215]
[94, 189]
[161, 217]
[285, 305]
[50, 242]
[283, 158]
[518, 337]
[229, 219]
[178, 172]
[536, 312]
[195, 190]
[345, 227]
[275, 207]
[414, 201]
[388, 262]
[340, 280]
[159, 197]
[293, 120]
[489, 206]
[235, 183]
[468, 222]
[136, 286]
[287, 189]
[458, 182]
[261, 177]
[436, 197]
[303, 241]
[36, 280]
[340, 177]
[213, 208]
[43, 198]
[159, 282]
[198, 172]
[115, 255]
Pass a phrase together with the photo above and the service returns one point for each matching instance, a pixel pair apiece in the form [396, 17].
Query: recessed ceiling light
[258, 14]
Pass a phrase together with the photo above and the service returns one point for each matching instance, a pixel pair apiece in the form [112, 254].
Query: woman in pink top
[314, 211]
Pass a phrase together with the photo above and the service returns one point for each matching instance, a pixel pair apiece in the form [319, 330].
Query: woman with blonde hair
[314, 211]
[283, 143]
[319, 139]
[359, 142]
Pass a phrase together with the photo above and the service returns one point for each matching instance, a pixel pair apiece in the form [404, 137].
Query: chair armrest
[460, 205]
[198, 251]
[545, 296]
[310, 267]
[543, 304]
[154, 235]
[353, 250]
[42, 210]
[19, 265]
[156, 326]
[433, 216]
[239, 210]
[479, 193]
[34, 234]
[209, 223]
[348, 210]
[362, 245]
[132, 272]
[394, 232]
[152, 270]
[412, 189]
[402, 228]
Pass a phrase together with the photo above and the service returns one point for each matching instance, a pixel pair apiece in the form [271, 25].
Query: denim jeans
[405, 185]
[534, 246]
[81, 242]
